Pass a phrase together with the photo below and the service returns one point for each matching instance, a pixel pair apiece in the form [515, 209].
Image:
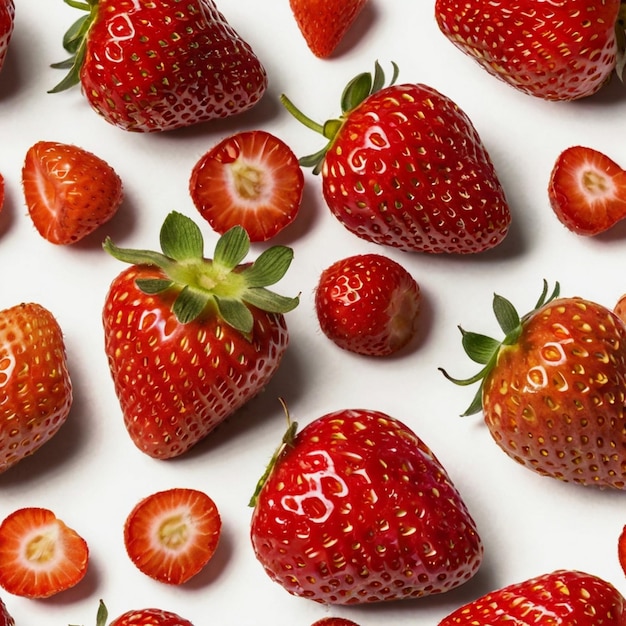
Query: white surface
[91, 475]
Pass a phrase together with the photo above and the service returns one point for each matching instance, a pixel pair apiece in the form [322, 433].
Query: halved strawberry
[587, 190]
[40, 555]
[171, 535]
[252, 179]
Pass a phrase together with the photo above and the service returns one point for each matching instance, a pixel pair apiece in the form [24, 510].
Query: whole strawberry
[141, 617]
[405, 167]
[5, 617]
[552, 391]
[190, 340]
[552, 50]
[355, 508]
[155, 66]
[35, 386]
[7, 23]
[561, 598]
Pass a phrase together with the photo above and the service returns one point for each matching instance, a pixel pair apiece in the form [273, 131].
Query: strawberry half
[587, 190]
[141, 617]
[252, 179]
[5, 617]
[40, 555]
[171, 535]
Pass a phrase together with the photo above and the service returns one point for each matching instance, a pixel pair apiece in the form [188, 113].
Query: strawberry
[334, 621]
[69, 191]
[551, 50]
[7, 23]
[1, 191]
[551, 391]
[560, 598]
[171, 535]
[324, 24]
[141, 617]
[5, 617]
[587, 190]
[155, 66]
[355, 508]
[368, 304]
[34, 379]
[405, 167]
[252, 179]
[621, 549]
[40, 555]
[190, 340]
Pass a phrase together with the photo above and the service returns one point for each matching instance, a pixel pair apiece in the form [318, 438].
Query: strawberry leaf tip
[221, 283]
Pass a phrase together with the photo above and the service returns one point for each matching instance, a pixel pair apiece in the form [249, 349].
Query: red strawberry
[171, 535]
[7, 23]
[1, 191]
[323, 24]
[190, 340]
[34, 380]
[155, 66]
[141, 617]
[355, 508]
[405, 167]
[334, 621]
[40, 555]
[621, 549]
[587, 191]
[69, 191]
[5, 618]
[551, 390]
[552, 50]
[561, 598]
[368, 304]
[252, 179]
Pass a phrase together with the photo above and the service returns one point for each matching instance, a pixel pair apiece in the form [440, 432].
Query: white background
[91, 475]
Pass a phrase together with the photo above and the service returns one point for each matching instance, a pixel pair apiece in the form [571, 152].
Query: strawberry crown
[484, 350]
[222, 282]
[356, 91]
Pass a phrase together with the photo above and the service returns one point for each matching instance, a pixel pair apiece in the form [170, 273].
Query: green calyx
[356, 91]
[484, 350]
[222, 282]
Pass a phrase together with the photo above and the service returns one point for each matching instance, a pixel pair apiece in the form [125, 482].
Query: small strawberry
[561, 598]
[334, 621]
[552, 391]
[34, 380]
[587, 190]
[252, 179]
[171, 535]
[190, 340]
[621, 549]
[405, 167]
[69, 191]
[7, 24]
[551, 50]
[155, 66]
[355, 508]
[141, 617]
[323, 24]
[368, 304]
[40, 555]
[5, 617]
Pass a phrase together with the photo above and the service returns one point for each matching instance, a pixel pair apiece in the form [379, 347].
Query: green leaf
[236, 314]
[75, 34]
[479, 348]
[269, 268]
[181, 238]
[267, 300]
[232, 247]
[152, 286]
[72, 78]
[189, 304]
[356, 91]
[137, 257]
[505, 313]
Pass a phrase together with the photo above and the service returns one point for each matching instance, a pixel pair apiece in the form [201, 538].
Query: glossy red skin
[7, 23]
[208, 73]
[5, 617]
[403, 171]
[552, 50]
[621, 549]
[561, 598]
[170, 404]
[555, 399]
[358, 510]
[150, 617]
[334, 621]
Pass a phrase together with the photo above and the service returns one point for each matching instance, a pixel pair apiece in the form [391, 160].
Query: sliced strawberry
[621, 549]
[40, 555]
[587, 191]
[252, 179]
[171, 535]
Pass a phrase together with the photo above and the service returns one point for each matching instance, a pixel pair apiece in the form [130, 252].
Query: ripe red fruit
[156, 66]
[69, 191]
[190, 340]
[355, 508]
[141, 617]
[171, 535]
[368, 304]
[561, 598]
[35, 382]
[551, 50]
[334, 621]
[7, 23]
[405, 167]
[252, 179]
[587, 190]
[5, 617]
[621, 549]
[40, 555]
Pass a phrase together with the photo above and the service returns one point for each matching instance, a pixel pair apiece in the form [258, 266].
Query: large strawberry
[553, 50]
[7, 23]
[355, 508]
[405, 167]
[552, 391]
[190, 340]
[155, 66]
